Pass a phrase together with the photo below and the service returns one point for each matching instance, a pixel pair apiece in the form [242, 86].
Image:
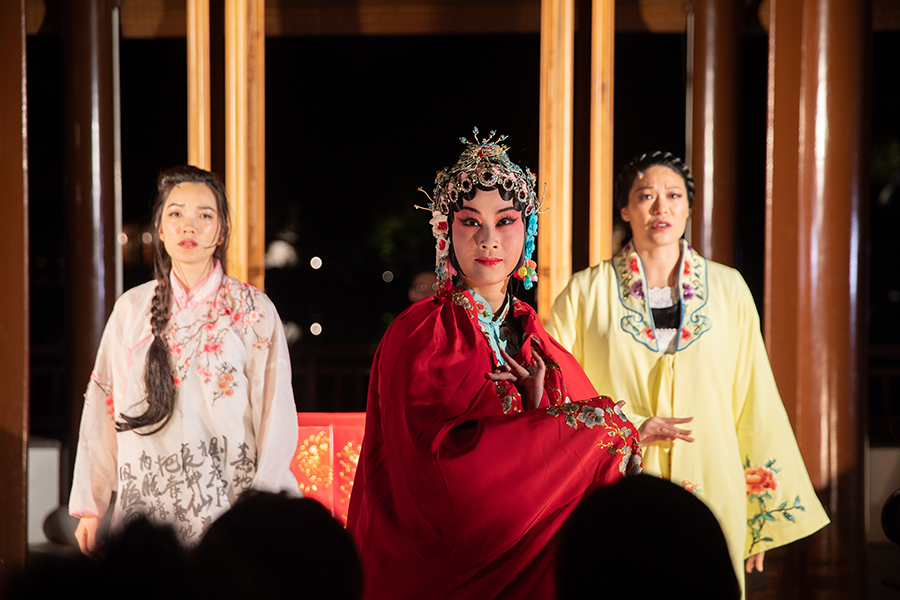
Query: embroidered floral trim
[692, 288]
[760, 479]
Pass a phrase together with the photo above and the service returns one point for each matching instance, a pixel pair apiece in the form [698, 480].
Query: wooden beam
[199, 121]
[714, 152]
[555, 167]
[245, 137]
[159, 19]
[603, 42]
[14, 320]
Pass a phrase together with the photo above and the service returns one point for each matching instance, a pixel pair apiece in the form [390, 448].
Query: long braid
[158, 377]
[635, 167]
[158, 373]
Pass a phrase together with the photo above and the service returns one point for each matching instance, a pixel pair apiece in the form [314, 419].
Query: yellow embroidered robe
[744, 462]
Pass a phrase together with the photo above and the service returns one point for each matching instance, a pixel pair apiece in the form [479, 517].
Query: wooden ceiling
[167, 18]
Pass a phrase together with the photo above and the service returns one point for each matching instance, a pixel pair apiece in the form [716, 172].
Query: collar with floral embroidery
[692, 290]
[196, 295]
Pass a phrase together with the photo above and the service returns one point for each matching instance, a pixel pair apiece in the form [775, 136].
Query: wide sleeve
[95, 475]
[782, 505]
[274, 414]
[466, 482]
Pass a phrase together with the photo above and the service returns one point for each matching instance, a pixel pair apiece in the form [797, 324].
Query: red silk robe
[459, 492]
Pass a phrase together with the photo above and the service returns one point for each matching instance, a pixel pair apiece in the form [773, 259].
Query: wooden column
[199, 121]
[816, 194]
[555, 170]
[714, 150]
[245, 136]
[87, 43]
[14, 320]
[603, 41]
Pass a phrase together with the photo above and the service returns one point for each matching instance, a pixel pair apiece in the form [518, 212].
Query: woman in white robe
[190, 400]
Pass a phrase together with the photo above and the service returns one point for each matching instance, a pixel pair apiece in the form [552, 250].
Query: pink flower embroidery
[688, 485]
[759, 479]
[212, 347]
[177, 381]
[479, 306]
[210, 326]
[236, 317]
[685, 333]
[648, 333]
[687, 268]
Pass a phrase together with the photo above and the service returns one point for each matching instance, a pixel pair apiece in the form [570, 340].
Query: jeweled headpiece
[485, 163]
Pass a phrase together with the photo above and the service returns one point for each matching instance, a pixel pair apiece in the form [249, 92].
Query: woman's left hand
[757, 561]
[530, 383]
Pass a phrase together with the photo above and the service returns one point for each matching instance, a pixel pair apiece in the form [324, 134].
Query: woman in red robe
[482, 432]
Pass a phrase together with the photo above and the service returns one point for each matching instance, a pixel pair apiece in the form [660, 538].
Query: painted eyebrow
[478, 213]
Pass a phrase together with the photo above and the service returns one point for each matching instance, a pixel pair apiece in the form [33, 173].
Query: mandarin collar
[200, 292]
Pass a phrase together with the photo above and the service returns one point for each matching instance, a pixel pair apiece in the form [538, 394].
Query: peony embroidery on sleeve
[760, 480]
[614, 421]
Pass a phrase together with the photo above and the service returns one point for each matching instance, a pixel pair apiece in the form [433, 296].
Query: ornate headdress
[483, 162]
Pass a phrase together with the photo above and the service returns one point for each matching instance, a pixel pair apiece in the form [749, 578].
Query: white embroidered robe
[234, 425]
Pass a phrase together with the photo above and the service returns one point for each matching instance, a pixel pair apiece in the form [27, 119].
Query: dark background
[354, 125]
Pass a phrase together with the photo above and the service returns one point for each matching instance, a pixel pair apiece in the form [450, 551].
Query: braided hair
[158, 377]
[637, 166]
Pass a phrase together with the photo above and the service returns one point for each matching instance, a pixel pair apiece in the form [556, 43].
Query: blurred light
[387, 276]
[894, 296]
[292, 332]
[147, 237]
[315, 262]
[123, 239]
[280, 255]
[315, 329]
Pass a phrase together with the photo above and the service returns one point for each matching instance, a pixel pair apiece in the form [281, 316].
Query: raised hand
[529, 382]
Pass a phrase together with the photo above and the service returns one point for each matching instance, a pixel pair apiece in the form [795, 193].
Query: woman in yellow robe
[678, 337]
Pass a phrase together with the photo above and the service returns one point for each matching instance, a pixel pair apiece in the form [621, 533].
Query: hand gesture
[529, 382]
[756, 560]
[86, 534]
[662, 429]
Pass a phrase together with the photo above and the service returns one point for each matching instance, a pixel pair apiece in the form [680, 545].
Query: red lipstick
[489, 262]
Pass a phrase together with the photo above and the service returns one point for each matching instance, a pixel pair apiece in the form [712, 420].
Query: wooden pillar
[555, 170]
[245, 136]
[713, 161]
[199, 120]
[816, 197]
[87, 39]
[603, 41]
[14, 320]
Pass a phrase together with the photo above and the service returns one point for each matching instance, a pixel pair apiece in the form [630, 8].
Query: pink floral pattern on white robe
[234, 425]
